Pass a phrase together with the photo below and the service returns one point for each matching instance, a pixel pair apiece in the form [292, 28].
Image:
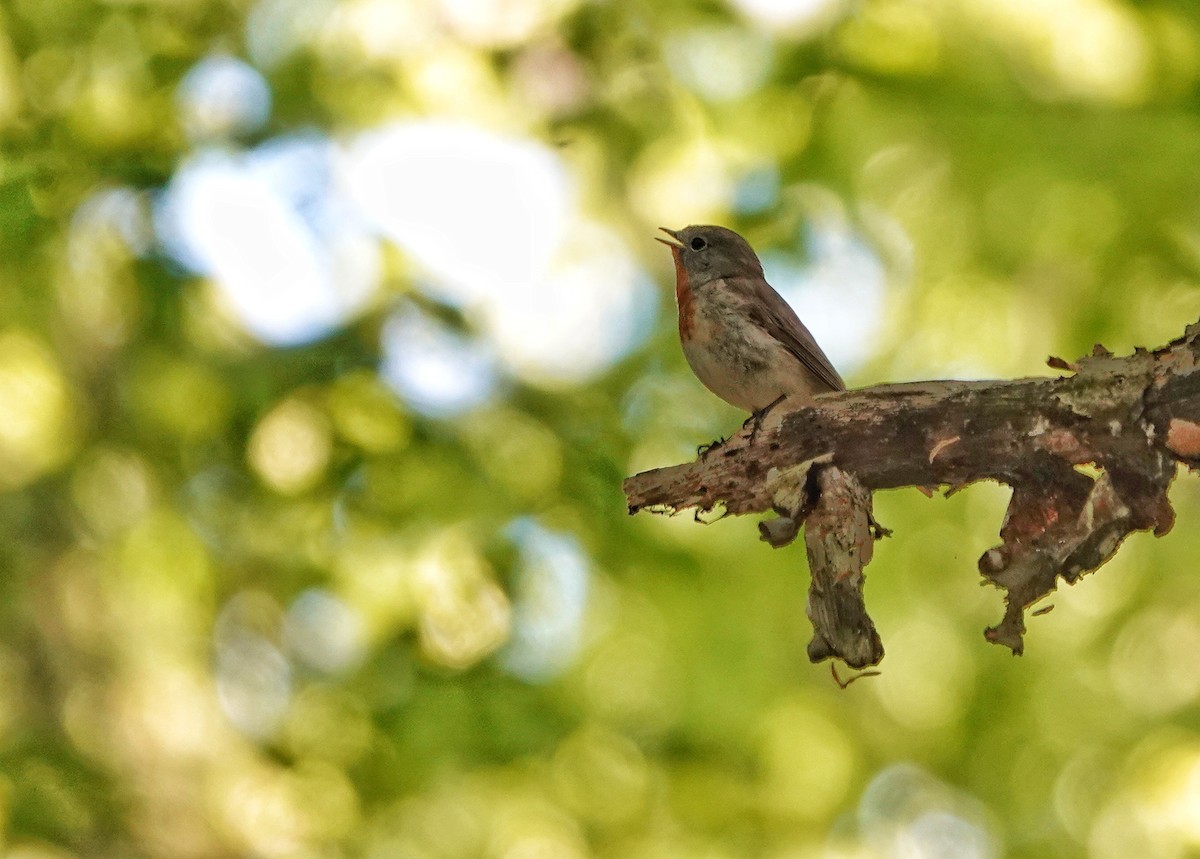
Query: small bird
[739, 336]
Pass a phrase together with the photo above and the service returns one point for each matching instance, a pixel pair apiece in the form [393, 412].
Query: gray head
[705, 252]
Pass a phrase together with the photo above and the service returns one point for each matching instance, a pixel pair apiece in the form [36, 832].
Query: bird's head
[706, 252]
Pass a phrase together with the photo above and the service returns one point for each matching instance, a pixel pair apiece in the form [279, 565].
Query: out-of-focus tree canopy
[328, 329]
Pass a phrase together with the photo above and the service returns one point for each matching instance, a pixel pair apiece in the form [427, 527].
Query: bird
[741, 339]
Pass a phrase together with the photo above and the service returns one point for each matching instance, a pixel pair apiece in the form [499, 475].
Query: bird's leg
[756, 418]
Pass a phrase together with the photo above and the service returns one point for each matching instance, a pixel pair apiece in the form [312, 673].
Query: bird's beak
[672, 240]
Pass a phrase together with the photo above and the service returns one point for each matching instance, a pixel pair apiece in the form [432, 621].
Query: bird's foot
[756, 418]
[705, 449]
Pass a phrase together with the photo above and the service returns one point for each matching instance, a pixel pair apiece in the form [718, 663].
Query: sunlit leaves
[328, 329]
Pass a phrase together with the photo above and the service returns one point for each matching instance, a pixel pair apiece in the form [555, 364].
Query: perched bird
[740, 338]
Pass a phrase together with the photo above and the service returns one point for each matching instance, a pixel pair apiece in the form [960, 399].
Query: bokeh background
[329, 328]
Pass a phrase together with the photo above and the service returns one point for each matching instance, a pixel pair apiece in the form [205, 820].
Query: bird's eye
[698, 244]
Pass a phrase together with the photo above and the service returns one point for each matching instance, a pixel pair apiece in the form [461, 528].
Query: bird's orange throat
[683, 297]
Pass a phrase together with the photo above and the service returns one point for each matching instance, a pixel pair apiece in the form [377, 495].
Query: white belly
[745, 367]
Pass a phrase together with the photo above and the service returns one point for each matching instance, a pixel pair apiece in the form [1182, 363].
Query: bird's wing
[769, 310]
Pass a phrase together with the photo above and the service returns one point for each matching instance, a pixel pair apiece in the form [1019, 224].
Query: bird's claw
[756, 418]
[705, 449]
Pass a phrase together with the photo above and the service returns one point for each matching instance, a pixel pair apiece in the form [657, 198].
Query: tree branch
[1089, 456]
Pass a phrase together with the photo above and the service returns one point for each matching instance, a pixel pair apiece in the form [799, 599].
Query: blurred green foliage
[255, 603]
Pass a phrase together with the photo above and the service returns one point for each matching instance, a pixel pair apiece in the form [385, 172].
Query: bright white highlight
[435, 370]
[324, 632]
[223, 96]
[906, 812]
[267, 228]
[275, 29]
[493, 222]
[797, 17]
[590, 308]
[288, 234]
[551, 592]
[478, 210]
[720, 63]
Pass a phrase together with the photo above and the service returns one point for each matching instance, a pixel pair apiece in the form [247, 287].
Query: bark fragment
[840, 543]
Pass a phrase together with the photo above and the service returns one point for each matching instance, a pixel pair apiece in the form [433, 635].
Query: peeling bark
[1089, 456]
[840, 543]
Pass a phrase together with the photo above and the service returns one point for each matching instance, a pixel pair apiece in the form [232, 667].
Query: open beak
[672, 240]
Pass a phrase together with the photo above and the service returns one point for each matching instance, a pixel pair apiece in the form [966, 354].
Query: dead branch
[1089, 456]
